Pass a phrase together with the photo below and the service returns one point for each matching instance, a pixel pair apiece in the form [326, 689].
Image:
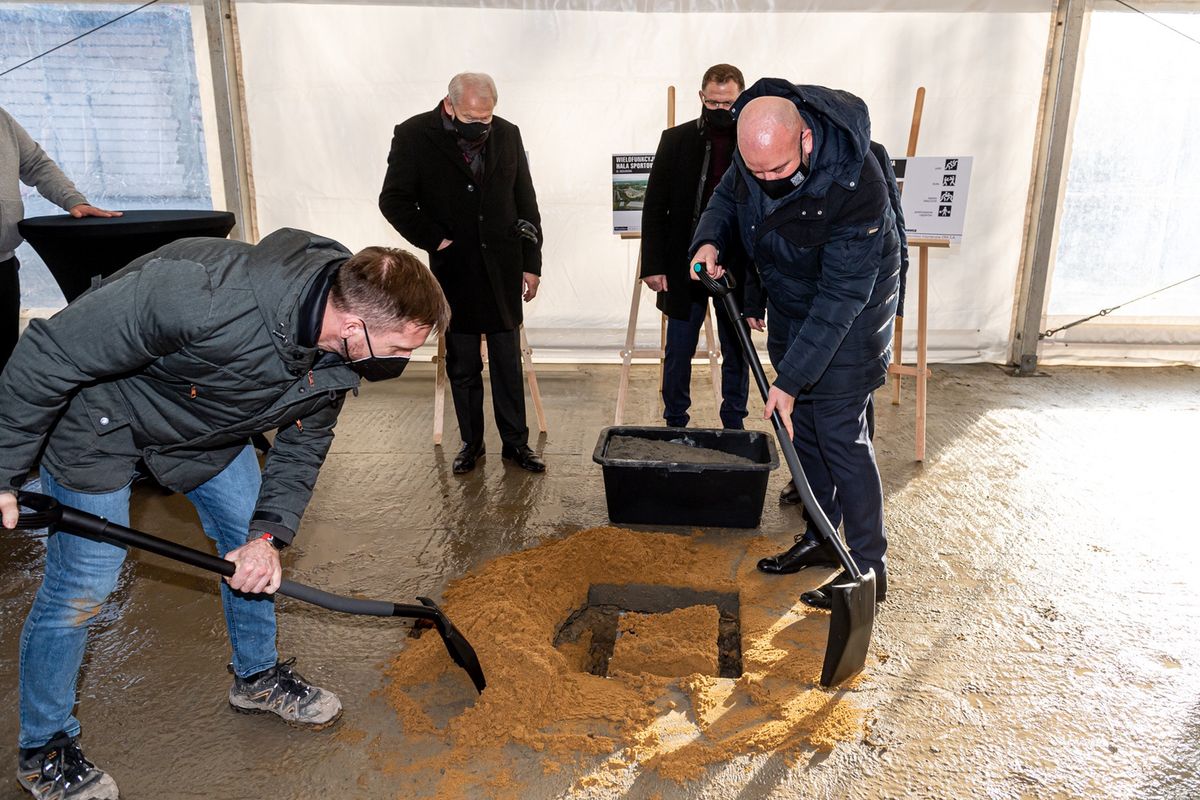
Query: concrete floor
[1041, 637]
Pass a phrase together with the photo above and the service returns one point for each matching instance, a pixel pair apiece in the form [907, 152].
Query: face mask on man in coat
[471, 113]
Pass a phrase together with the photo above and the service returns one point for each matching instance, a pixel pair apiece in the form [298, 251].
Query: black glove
[527, 230]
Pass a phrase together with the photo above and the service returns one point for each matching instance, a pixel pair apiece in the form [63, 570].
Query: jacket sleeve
[718, 223]
[118, 328]
[656, 237]
[399, 199]
[527, 209]
[38, 170]
[849, 268]
[889, 175]
[291, 472]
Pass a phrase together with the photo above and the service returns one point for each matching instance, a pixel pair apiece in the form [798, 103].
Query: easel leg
[922, 344]
[531, 376]
[630, 340]
[439, 391]
[897, 358]
[714, 355]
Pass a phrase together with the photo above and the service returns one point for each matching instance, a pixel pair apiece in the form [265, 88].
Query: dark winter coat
[177, 359]
[429, 195]
[673, 206]
[828, 253]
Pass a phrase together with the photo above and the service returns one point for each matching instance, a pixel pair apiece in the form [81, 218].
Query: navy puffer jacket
[828, 253]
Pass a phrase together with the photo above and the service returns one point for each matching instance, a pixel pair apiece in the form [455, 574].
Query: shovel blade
[457, 646]
[853, 608]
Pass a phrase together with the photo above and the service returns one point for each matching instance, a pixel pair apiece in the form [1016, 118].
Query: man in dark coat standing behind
[688, 165]
[458, 187]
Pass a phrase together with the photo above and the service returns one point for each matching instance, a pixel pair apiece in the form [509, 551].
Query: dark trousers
[833, 440]
[464, 368]
[682, 336]
[10, 308]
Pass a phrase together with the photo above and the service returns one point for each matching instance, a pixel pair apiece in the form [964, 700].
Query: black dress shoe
[821, 596]
[807, 552]
[790, 496]
[523, 457]
[464, 462]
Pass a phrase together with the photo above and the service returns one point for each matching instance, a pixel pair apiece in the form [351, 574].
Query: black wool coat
[429, 195]
[672, 209]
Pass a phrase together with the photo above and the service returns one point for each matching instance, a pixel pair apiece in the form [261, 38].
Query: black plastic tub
[722, 495]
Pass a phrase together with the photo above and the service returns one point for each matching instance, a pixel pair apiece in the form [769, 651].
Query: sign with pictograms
[933, 195]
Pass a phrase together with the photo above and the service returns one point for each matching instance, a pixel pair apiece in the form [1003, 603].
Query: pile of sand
[537, 697]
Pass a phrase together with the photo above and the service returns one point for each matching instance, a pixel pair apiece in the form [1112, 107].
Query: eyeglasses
[715, 104]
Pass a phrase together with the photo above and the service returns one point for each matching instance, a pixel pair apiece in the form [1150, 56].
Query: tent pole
[1064, 72]
[232, 135]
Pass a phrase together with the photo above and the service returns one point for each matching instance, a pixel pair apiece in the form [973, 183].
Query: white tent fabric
[326, 83]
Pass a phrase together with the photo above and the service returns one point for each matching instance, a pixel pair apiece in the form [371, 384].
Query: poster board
[934, 195]
[630, 175]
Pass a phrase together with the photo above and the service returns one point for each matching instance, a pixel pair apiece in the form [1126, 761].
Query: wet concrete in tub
[682, 450]
[1041, 639]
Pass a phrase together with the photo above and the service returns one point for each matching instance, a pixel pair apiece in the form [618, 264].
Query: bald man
[809, 202]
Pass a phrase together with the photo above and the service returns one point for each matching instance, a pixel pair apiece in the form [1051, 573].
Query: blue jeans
[682, 336]
[80, 575]
[833, 441]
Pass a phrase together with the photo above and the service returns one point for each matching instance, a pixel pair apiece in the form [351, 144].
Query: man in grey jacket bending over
[176, 361]
[23, 161]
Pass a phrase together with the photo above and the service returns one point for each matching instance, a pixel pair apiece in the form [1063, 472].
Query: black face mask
[721, 119]
[373, 367]
[471, 131]
[779, 188]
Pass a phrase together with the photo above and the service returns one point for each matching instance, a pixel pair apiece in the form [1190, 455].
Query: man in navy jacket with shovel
[810, 204]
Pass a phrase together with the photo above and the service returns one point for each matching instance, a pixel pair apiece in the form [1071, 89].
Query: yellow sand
[538, 699]
[674, 645]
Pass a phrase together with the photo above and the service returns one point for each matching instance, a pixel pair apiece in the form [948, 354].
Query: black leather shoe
[820, 597]
[523, 457]
[464, 462]
[790, 496]
[807, 552]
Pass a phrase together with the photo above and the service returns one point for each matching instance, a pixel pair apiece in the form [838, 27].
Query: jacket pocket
[106, 409]
[803, 233]
[12, 211]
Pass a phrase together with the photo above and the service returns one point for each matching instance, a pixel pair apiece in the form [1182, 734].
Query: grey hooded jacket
[176, 360]
[22, 159]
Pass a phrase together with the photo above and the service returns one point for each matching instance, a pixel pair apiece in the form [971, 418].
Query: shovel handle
[48, 512]
[721, 288]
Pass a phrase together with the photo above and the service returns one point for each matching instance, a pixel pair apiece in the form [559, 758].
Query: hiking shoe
[58, 771]
[282, 691]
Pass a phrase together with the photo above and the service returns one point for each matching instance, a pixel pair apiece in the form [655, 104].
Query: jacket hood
[841, 128]
[283, 265]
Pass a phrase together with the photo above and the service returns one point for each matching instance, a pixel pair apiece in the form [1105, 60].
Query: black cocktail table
[77, 249]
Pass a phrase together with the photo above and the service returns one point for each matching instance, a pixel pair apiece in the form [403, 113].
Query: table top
[131, 222]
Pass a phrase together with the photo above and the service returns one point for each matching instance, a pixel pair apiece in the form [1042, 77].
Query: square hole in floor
[664, 630]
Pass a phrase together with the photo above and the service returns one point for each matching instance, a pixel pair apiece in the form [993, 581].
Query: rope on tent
[1104, 312]
[1159, 21]
[77, 38]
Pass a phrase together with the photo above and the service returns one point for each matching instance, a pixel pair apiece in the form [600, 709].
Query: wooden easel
[921, 370]
[711, 350]
[439, 384]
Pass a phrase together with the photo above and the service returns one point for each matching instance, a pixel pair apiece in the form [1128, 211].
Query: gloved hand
[527, 230]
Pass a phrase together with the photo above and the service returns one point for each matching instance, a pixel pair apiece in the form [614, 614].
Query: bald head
[771, 137]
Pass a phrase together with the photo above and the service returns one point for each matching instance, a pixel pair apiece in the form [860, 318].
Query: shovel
[49, 513]
[853, 603]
